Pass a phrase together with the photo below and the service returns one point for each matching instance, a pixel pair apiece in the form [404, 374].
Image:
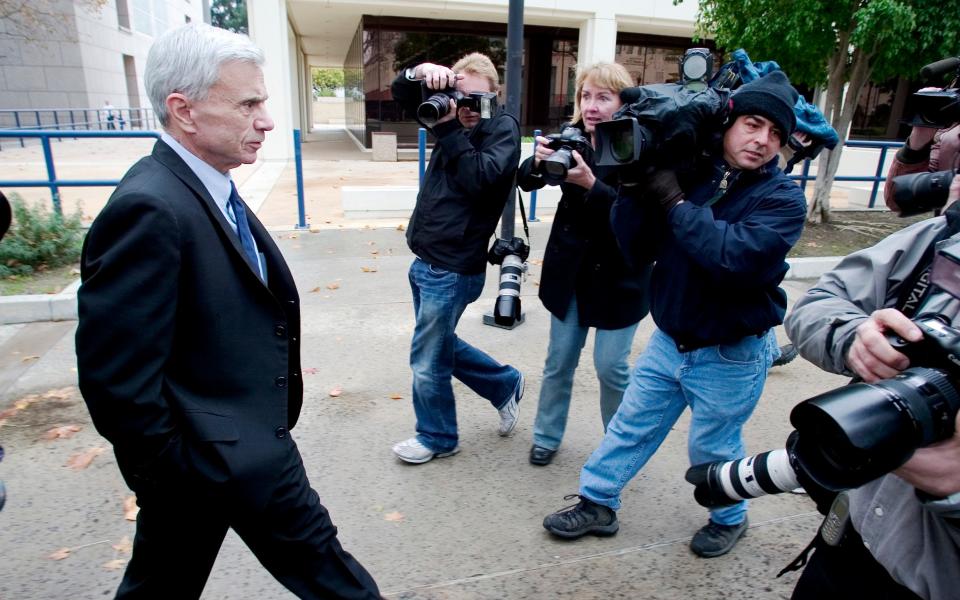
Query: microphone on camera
[940, 68]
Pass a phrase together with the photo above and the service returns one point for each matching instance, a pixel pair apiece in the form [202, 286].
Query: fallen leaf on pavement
[368, 269]
[82, 460]
[29, 358]
[396, 396]
[60, 554]
[336, 391]
[333, 286]
[124, 545]
[58, 394]
[61, 432]
[310, 371]
[315, 290]
[393, 517]
[400, 227]
[293, 236]
[113, 565]
[130, 508]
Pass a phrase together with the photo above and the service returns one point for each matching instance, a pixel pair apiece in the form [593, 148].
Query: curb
[63, 306]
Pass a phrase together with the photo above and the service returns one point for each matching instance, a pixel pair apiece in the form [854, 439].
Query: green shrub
[39, 239]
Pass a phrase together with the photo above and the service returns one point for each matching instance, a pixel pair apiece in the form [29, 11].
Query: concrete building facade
[79, 54]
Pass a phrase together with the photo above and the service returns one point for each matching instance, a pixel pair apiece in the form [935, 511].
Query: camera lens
[726, 483]
[433, 109]
[554, 168]
[921, 192]
[854, 434]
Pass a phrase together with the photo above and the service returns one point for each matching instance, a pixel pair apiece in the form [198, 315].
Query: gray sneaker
[412, 451]
[714, 539]
[510, 412]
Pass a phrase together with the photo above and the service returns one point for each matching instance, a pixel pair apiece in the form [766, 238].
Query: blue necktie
[243, 228]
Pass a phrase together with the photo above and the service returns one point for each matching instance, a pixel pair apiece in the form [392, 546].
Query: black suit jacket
[188, 362]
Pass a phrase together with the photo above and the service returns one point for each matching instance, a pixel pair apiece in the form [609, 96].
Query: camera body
[437, 103]
[554, 168]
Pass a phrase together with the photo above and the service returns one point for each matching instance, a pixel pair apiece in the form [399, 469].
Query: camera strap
[917, 284]
[523, 216]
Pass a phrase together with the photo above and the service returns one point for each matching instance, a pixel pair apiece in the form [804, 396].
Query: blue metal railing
[298, 163]
[51, 181]
[75, 119]
[877, 178]
[533, 195]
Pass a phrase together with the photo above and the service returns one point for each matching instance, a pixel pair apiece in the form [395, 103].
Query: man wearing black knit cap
[715, 297]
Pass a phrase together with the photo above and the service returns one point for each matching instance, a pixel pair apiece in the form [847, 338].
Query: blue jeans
[611, 350]
[436, 354]
[721, 384]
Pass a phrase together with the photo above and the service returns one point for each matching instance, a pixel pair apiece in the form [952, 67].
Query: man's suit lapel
[165, 155]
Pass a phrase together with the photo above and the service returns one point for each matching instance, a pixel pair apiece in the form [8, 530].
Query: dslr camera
[852, 435]
[437, 103]
[554, 168]
[512, 258]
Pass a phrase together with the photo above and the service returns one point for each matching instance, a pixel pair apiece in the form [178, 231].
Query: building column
[267, 21]
[598, 39]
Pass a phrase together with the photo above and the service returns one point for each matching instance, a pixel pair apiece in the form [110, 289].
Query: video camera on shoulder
[852, 435]
[437, 103]
[554, 168]
[938, 109]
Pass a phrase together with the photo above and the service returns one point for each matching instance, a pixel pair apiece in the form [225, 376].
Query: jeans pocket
[745, 351]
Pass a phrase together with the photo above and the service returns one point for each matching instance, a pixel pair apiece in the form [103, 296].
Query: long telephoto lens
[433, 109]
[921, 192]
[856, 433]
[507, 310]
[725, 483]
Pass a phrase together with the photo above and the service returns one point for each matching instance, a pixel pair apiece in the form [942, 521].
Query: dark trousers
[847, 571]
[178, 538]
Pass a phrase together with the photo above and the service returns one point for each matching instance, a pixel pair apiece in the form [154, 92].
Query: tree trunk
[819, 209]
[842, 115]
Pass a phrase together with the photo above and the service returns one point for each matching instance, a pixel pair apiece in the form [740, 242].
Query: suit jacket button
[281, 382]
[280, 432]
[280, 331]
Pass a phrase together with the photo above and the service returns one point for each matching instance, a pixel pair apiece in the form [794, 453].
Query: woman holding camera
[585, 281]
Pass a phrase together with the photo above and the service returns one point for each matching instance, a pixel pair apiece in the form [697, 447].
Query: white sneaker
[510, 412]
[412, 451]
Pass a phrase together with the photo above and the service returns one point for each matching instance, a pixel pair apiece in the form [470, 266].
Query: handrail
[52, 182]
[877, 178]
[75, 119]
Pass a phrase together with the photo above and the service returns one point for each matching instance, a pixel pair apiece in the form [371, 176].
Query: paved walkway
[466, 527]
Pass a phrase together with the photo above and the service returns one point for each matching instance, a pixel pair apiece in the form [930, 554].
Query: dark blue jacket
[719, 267]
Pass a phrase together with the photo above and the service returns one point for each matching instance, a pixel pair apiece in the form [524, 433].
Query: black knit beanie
[770, 96]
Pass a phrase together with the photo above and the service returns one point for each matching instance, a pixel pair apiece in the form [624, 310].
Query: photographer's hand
[437, 77]
[662, 186]
[542, 151]
[581, 175]
[936, 468]
[871, 356]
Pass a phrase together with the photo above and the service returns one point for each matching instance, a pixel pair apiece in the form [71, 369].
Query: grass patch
[47, 281]
[848, 232]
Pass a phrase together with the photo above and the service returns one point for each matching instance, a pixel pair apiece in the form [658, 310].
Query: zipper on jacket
[721, 189]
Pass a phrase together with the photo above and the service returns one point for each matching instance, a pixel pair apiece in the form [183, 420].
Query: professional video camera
[663, 123]
[437, 103]
[852, 435]
[941, 108]
[554, 168]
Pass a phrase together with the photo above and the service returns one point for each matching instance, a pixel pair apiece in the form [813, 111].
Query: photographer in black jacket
[466, 185]
[585, 280]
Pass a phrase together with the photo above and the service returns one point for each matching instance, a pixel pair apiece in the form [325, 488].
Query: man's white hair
[187, 60]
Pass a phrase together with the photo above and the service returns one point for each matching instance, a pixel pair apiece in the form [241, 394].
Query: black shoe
[541, 456]
[788, 352]
[582, 518]
[714, 539]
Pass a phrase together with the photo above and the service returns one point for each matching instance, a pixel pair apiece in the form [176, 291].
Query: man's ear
[178, 111]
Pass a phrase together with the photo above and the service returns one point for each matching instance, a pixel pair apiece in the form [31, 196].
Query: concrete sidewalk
[465, 527]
